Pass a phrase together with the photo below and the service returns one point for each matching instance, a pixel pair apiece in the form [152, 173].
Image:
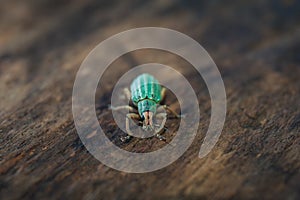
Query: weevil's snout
[148, 121]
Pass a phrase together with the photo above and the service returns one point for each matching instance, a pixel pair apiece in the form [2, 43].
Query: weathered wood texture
[256, 46]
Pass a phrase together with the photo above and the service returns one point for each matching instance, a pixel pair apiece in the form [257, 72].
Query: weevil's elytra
[146, 95]
[145, 86]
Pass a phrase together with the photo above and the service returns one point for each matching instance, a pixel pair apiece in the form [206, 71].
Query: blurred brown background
[255, 44]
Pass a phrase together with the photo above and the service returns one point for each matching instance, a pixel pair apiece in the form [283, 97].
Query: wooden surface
[256, 46]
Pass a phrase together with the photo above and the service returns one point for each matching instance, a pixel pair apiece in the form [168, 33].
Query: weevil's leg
[161, 129]
[127, 93]
[128, 117]
[160, 109]
[164, 117]
[165, 128]
[160, 137]
[163, 94]
[129, 133]
[125, 138]
[125, 107]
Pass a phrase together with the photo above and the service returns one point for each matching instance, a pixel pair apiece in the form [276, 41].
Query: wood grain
[256, 46]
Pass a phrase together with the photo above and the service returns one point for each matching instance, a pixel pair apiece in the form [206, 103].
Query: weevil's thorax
[145, 106]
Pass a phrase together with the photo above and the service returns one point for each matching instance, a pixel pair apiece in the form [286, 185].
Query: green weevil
[146, 95]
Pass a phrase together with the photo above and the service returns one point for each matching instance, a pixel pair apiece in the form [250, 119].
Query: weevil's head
[147, 109]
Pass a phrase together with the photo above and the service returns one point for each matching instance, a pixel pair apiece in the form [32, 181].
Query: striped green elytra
[146, 94]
